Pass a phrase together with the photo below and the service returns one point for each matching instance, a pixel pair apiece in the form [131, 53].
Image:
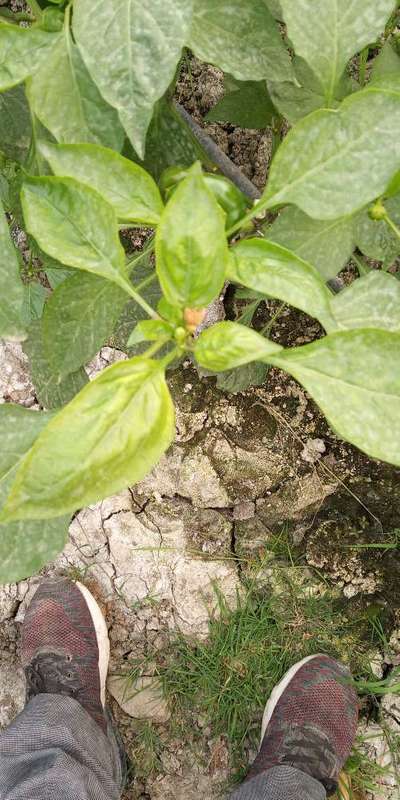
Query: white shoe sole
[278, 690]
[103, 641]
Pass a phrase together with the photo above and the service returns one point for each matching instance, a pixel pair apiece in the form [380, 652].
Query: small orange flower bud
[193, 317]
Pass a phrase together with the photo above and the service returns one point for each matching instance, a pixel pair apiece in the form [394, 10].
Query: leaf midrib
[280, 362]
[274, 199]
[102, 256]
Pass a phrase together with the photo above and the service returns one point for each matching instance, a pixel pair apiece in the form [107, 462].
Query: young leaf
[22, 50]
[247, 105]
[277, 272]
[78, 318]
[15, 124]
[327, 35]
[312, 166]
[241, 37]
[374, 237]
[11, 287]
[24, 546]
[52, 389]
[354, 376]
[106, 439]
[227, 345]
[191, 248]
[34, 299]
[240, 379]
[372, 301]
[295, 99]
[327, 244]
[67, 102]
[170, 141]
[150, 330]
[74, 223]
[386, 63]
[127, 187]
[132, 52]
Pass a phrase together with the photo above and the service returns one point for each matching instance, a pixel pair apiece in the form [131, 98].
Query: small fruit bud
[377, 211]
[180, 335]
[193, 318]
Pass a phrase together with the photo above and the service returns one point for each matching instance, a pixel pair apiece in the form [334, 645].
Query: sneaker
[65, 646]
[310, 721]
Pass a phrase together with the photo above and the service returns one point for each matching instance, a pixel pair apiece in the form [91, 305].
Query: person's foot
[65, 646]
[310, 721]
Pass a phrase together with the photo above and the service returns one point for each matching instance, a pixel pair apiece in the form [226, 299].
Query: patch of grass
[147, 750]
[365, 773]
[228, 678]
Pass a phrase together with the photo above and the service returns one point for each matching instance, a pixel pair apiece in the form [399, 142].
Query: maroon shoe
[310, 721]
[65, 646]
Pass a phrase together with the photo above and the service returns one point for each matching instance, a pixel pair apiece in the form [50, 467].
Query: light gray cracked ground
[152, 554]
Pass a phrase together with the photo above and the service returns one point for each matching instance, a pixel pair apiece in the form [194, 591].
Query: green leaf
[67, 102]
[24, 546]
[275, 8]
[327, 244]
[74, 223]
[277, 272]
[248, 105]
[52, 389]
[295, 99]
[374, 237]
[132, 52]
[34, 299]
[11, 287]
[191, 248]
[22, 51]
[170, 141]
[126, 186]
[109, 436]
[15, 124]
[150, 330]
[386, 63]
[354, 376]
[372, 301]
[227, 345]
[78, 319]
[241, 37]
[313, 166]
[394, 186]
[327, 35]
[56, 275]
[240, 379]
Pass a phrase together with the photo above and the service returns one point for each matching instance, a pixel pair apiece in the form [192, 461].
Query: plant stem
[151, 351]
[139, 299]
[392, 225]
[148, 249]
[257, 209]
[279, 311]
[363, 269]
[362, 72]
[145, 282]
[177, 351]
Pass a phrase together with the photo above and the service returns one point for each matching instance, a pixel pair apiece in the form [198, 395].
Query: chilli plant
[87, 126]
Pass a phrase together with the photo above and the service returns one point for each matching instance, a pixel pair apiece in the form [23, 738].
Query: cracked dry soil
[242, 467]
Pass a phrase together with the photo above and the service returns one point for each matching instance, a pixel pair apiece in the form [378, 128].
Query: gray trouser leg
[280, 783]
[55, 751]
